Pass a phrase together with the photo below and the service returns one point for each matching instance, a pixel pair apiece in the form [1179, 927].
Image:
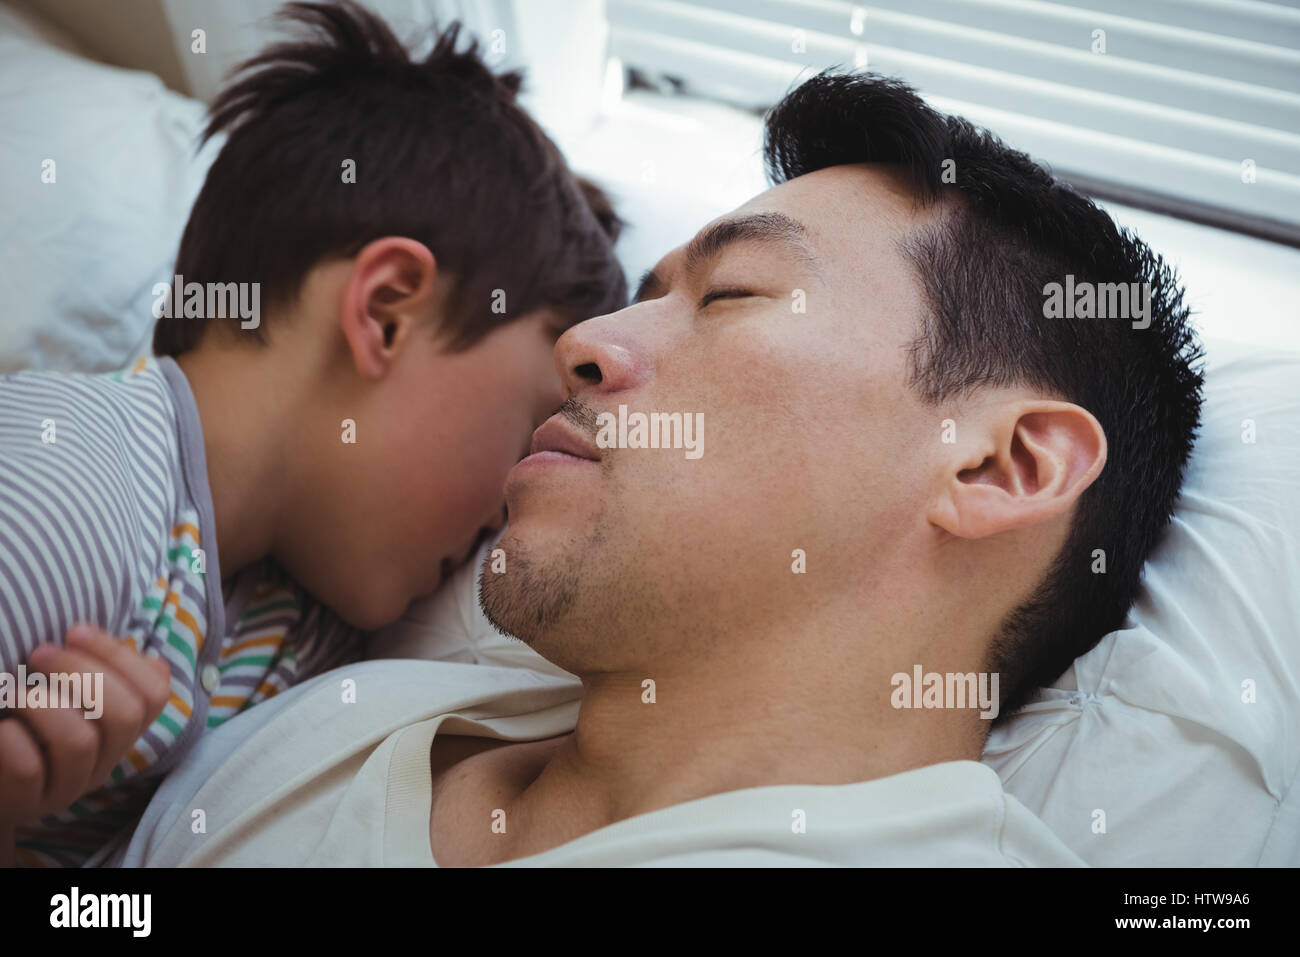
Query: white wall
[127, 33]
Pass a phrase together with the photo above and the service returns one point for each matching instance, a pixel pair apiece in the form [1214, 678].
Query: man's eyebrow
[776, 228]
[754, 227]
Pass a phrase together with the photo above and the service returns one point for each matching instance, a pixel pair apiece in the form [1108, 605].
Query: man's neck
[723, 726]
[241, 415]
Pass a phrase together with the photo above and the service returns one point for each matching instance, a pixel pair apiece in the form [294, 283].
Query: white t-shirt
[312, 778]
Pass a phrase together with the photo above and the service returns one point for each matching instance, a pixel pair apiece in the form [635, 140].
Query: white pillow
[79, 256]
[1149, 727]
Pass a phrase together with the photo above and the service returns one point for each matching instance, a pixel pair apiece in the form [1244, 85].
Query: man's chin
[522, 597]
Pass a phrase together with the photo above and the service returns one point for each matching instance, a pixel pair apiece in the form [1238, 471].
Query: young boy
[356, 352]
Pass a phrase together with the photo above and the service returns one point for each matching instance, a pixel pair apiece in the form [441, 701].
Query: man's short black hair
[1008, 230]
[443, 154]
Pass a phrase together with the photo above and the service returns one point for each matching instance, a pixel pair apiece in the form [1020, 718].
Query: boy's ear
[1027, 463]
[389, 294]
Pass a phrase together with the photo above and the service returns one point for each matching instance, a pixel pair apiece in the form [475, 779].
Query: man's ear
[1027, 464]
[389, 293]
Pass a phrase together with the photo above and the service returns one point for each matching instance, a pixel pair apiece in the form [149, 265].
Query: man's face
[788, 330]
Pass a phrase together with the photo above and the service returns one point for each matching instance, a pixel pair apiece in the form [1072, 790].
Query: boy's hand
[50, 756]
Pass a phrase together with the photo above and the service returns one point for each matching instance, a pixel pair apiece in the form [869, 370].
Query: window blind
[1184, 106]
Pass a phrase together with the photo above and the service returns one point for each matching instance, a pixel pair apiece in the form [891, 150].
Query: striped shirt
[106, 517]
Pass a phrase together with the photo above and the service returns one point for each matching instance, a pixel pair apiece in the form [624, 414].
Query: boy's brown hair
[443, 155]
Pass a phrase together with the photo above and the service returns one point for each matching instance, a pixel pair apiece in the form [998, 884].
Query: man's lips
[555, 435]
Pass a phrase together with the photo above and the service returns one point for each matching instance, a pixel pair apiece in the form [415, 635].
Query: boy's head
[417, 245]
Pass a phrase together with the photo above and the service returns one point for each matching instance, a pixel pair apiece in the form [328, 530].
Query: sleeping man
[910, 469]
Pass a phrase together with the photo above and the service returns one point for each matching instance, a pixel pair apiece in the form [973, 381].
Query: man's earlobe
[1033, 461]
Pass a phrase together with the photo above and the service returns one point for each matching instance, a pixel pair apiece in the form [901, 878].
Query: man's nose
[598, 354]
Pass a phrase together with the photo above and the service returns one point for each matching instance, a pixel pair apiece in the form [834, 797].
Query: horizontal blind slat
[1274, 195]
[1242, 19]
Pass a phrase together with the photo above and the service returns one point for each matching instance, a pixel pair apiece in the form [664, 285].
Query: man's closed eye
[727, 293]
